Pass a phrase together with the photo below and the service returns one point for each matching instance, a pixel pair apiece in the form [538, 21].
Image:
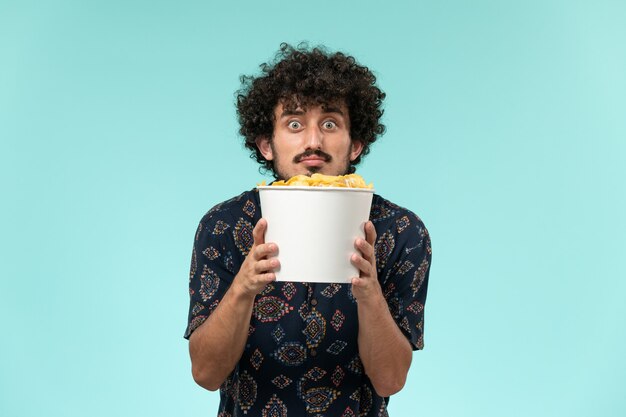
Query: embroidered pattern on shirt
[337, 320]
[243, 236]
[256, 360]
[274, 408]
[281, 381]
[337, 376]
[209, 281]
[289, 290]
[290, 354]
[246, 391]
[356, 365]
[278, 333]
[402, 223]
[384, 246]
[211, 253]
[418, 278]
[220, 227]
[270, 308]
[331, 290]
[380, 212]
[315, 329]
[336, 347]
[249, 208]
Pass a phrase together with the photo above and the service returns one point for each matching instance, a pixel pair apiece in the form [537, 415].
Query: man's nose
[314, 138]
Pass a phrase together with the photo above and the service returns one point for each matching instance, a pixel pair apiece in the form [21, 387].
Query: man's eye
[294, 125]
[329, 125]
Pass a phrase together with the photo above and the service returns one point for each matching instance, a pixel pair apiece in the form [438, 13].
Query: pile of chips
[320, 180]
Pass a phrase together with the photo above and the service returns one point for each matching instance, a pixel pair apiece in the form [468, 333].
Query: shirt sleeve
[405, 253]
[212, 269]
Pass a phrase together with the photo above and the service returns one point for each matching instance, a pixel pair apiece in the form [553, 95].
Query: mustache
[316, 152]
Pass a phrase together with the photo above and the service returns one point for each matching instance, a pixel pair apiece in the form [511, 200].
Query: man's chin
[313, 170]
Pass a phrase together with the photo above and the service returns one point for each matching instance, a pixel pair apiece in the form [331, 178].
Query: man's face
[308, 141]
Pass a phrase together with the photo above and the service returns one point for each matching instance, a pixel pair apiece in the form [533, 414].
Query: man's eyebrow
[292, 113]
[331, 109]
[299, 112]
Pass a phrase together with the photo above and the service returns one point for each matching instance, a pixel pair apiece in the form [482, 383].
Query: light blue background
[506, 134]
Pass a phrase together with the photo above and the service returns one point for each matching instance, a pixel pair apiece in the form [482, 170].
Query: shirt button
[313, 352]
[314, 302]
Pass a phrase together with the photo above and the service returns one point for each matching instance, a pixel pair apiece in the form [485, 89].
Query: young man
[296, 349]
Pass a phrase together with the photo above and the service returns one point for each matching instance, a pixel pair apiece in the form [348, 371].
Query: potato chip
[320, 180]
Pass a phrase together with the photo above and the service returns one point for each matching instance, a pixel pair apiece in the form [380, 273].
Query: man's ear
[263, 144]
[357, 148]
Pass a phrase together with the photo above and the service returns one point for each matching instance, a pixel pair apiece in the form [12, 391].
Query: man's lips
[312, 161]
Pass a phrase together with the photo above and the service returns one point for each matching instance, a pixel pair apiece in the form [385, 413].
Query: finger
[365, 248]
[269, 277]
[265, 250]
[357, 282]
[266, 265]
[361, 264]
[258, 233]
[370, 233]
[265, 278]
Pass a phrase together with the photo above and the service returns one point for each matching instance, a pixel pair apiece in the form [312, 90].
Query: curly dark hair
[302, 76]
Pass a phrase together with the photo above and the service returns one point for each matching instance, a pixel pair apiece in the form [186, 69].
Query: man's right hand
[257, 270]
[217, 345]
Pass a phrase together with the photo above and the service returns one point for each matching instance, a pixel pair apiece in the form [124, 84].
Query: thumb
[370, 233]
[258, 233]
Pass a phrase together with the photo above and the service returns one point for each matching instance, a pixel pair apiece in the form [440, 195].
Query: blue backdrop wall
[506, 134]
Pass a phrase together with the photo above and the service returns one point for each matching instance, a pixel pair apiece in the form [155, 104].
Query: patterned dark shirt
[302, 358]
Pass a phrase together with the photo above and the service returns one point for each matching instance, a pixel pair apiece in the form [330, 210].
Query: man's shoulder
[246, 202]
[401, 236]
[385, 212]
